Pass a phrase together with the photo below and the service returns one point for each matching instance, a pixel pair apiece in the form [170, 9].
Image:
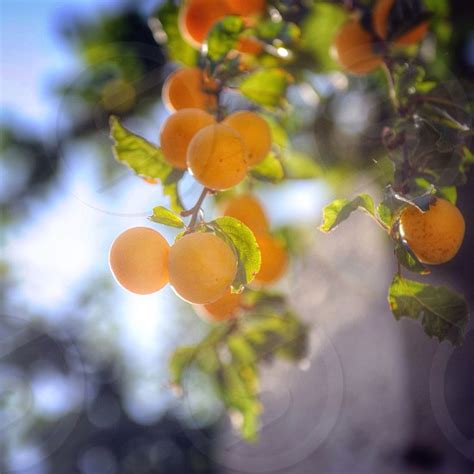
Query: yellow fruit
[435, 235]
[274, 260]
[255, 133]
[223, 309]
[201, 267]
[197, 18]
[138, 259]
[178, 130]
[246, 7]
[189, 88]
[247, 209]
[217, 157]
[354, 48]
[380, 19]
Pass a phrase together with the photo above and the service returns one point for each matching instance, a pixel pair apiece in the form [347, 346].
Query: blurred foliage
[230, 355]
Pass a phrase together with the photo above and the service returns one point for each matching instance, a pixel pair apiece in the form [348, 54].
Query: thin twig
[194, 211]
[391, 86]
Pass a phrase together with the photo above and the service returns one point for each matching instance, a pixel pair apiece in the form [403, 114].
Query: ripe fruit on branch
[255, 133]
[274, 259]
[223, 309]
[246, 7]
[381, 14]
[189, 87]
[248, 210]
[217, 157]
[435, 235]
[138, 259]
[177, 132]
[197, 17]
[354, 48]
[201, 267]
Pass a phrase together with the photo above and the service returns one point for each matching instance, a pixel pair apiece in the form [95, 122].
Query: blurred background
[83, 364]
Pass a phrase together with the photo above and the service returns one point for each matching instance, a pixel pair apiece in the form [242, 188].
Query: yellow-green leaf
[243, 242]
[270, 169]
[443, 313]
[266, 86]
[340, 209]
[164, 216]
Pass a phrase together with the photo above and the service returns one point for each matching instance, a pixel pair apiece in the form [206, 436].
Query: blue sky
[33, 55]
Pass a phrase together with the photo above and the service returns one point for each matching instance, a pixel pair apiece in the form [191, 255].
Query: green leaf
[319, 29]
[164, 216]
[223, 37]
[446, 192]
[450, 193]
[340, 209]
[408, 259]
[442, 312]
[242, 240]
[270, 169]
[279, 31]
[468, 156]
[388, 209]
[241, 350]
[239, 390]
[181, 359]
[276, 334]
[262, 299]
[278, 131]
[266, 87]
[164, 26]
[207, 360]
[298, 165]
[145, 159]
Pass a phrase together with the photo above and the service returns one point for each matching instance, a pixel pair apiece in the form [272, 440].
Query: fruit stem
[391, 85]
[194, 211]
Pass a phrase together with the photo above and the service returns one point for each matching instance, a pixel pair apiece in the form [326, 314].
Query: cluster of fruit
[360, 43]
[200, 266]
[217, 154]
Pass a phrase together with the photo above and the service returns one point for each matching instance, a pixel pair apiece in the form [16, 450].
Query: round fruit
[255, 133]
[189, 87]
[217, 157]
[380, 20]
[178, 130]
[198, 17]
[354, 48]
[222, 309]
[274, 260]
[435, 235]
[246, 7]
[201, 267]
[247, 209]
[138, 259]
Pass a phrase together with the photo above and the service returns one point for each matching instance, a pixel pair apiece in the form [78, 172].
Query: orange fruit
[217, 157]
[178, 131]
[436, 235]
[138, 259]
[189, 88]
